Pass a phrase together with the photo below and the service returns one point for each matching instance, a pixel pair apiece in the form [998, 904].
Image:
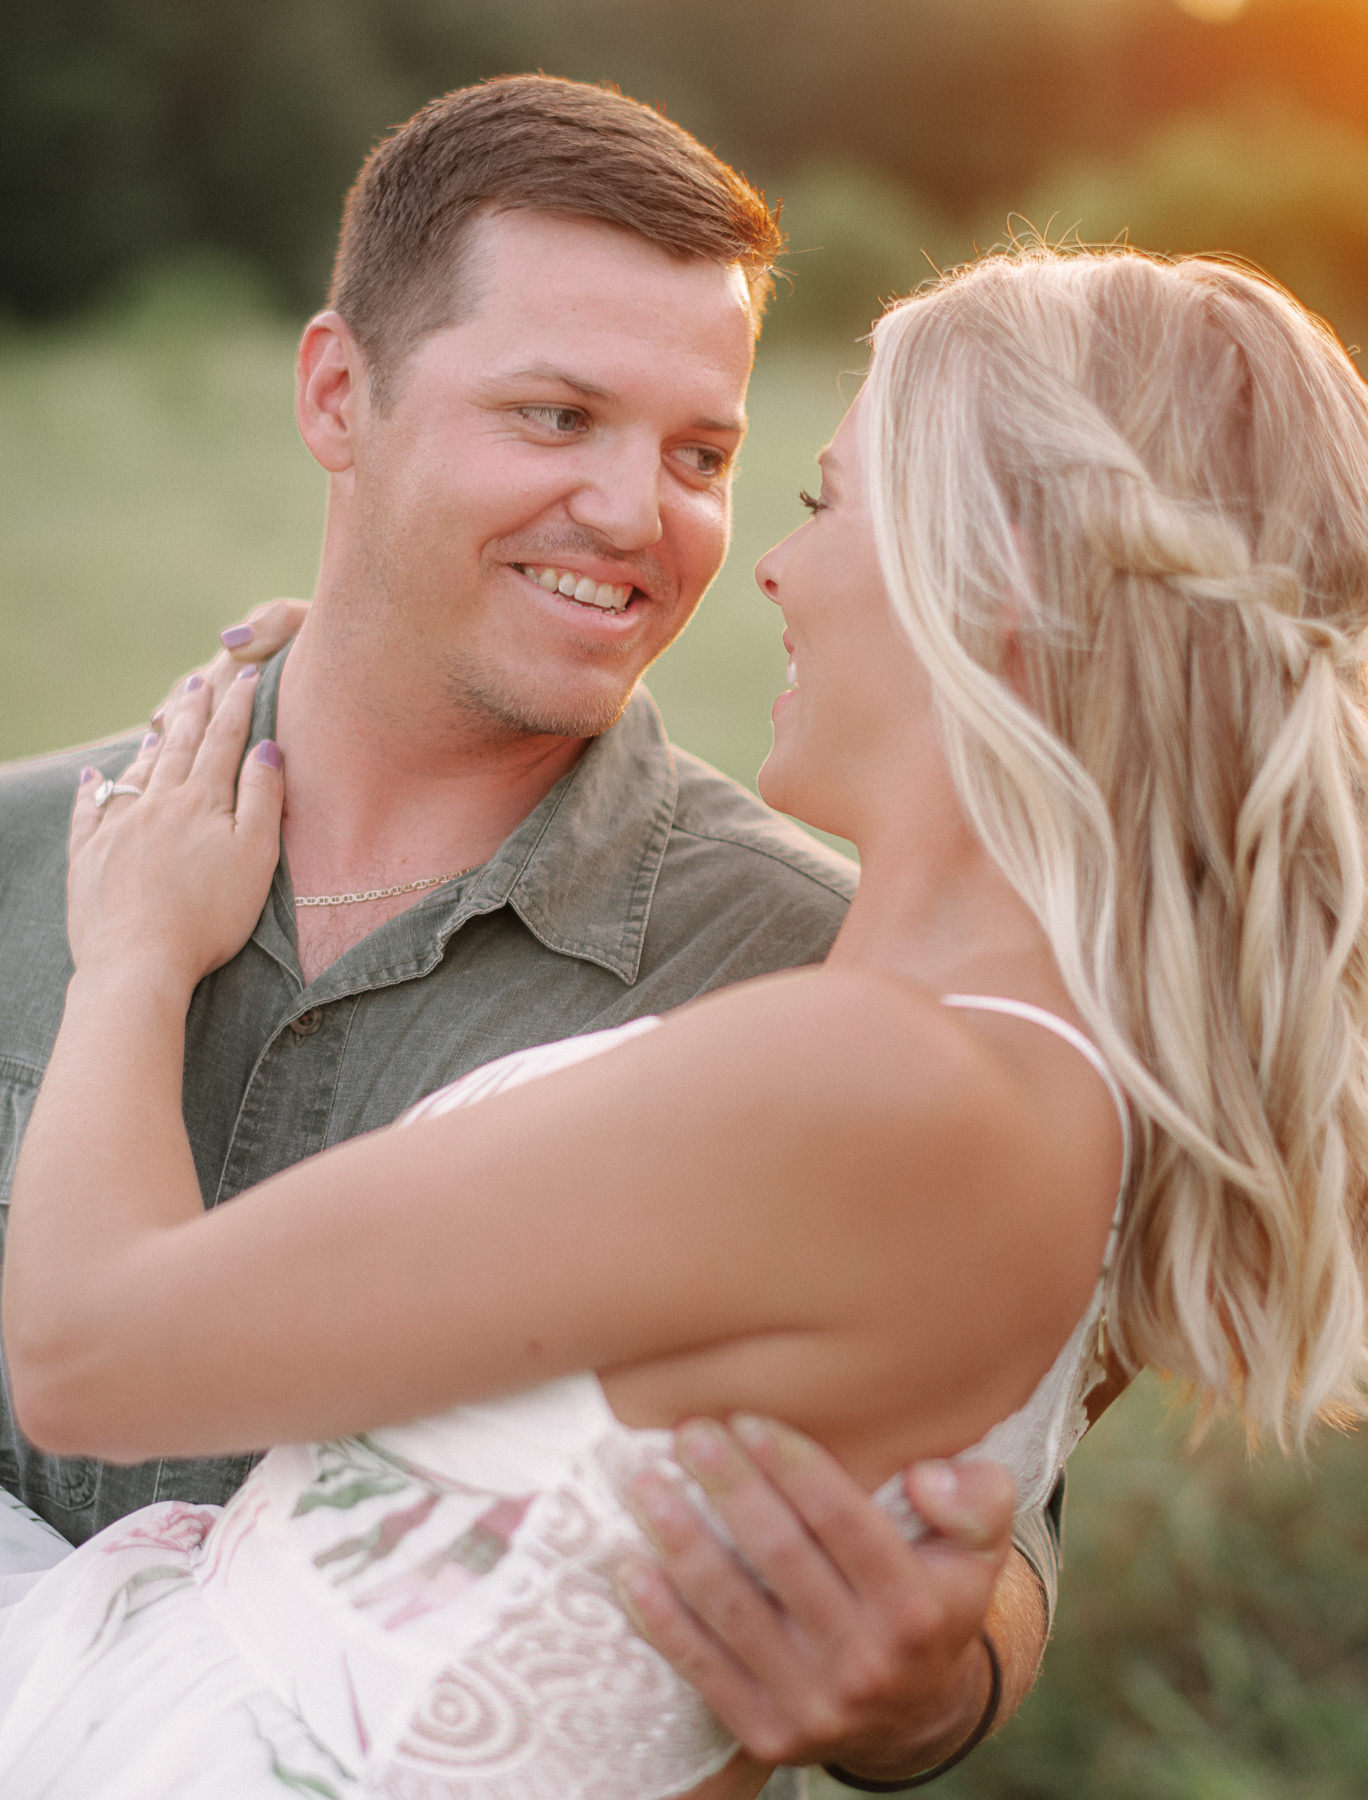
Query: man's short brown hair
[524, 143]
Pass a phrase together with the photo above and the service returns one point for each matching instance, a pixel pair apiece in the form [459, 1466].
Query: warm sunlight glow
[1215, 12]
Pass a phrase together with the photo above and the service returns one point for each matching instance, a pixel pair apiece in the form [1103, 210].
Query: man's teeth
[580, 587]
[792, 676]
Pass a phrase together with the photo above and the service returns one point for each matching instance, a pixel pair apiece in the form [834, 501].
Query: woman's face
[858, 699]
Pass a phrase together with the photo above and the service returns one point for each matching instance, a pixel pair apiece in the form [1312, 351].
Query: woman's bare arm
[611, 1213]
[614, 1212]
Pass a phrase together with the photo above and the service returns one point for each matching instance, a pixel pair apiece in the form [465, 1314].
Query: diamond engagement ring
[107, 790]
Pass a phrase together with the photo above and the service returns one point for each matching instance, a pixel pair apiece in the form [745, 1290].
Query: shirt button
[307, 1023]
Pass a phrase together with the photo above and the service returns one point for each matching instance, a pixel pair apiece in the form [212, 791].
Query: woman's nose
[767, 572]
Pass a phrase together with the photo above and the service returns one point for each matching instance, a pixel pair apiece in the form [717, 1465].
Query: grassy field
[1213, 1635]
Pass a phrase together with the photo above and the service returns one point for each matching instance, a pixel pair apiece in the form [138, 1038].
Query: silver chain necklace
[384, 893]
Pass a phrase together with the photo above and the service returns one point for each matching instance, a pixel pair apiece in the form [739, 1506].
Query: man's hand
[266, 629]
[853, 1647]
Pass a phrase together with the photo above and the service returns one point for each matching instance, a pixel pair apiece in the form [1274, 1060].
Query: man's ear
[330, 390]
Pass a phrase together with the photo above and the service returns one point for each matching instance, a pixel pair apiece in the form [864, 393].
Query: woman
[1074, 633]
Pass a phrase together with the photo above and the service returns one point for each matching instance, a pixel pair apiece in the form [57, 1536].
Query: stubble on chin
[480, 697]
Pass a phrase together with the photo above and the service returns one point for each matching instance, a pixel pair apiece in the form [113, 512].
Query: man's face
[544, 503]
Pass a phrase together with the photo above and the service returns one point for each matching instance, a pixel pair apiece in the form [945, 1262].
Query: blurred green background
[170, 178]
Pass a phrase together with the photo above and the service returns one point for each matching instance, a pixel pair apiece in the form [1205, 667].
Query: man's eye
[813, 506]
[564, 420]
[707, 459]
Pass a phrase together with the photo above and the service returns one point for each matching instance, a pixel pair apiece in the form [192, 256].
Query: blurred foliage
[153, 484]
[1261, 176]
[129, 128]
[856, 240]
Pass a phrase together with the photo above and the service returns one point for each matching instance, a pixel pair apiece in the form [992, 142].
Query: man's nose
[619, 498]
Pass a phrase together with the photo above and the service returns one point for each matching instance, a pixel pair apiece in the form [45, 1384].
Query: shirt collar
[580, 870]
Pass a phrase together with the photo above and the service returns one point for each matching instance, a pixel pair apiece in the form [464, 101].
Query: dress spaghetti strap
[1037, 1015]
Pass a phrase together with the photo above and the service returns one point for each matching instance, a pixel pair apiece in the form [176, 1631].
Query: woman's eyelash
[813, 506]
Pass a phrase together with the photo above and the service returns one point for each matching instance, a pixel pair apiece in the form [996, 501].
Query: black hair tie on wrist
[972, 1742]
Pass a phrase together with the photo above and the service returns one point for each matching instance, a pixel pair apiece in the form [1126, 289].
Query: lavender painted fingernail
[88, 775]
[268, 752]
[151, 741]
[195, 681]
[236, 636]
[249, 672]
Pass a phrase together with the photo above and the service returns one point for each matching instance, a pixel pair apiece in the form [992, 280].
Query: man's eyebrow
[549, 372]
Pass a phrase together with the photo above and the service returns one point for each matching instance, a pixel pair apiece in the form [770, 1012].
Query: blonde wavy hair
[1121, 506]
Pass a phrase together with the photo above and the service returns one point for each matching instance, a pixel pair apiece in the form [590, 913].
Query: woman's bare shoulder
[938, 1187]
[844, 1044]
[896, 1100]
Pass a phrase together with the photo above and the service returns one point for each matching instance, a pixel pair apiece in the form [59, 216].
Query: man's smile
[607, 596]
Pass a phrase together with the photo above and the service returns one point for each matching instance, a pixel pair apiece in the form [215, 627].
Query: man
[529, 394]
